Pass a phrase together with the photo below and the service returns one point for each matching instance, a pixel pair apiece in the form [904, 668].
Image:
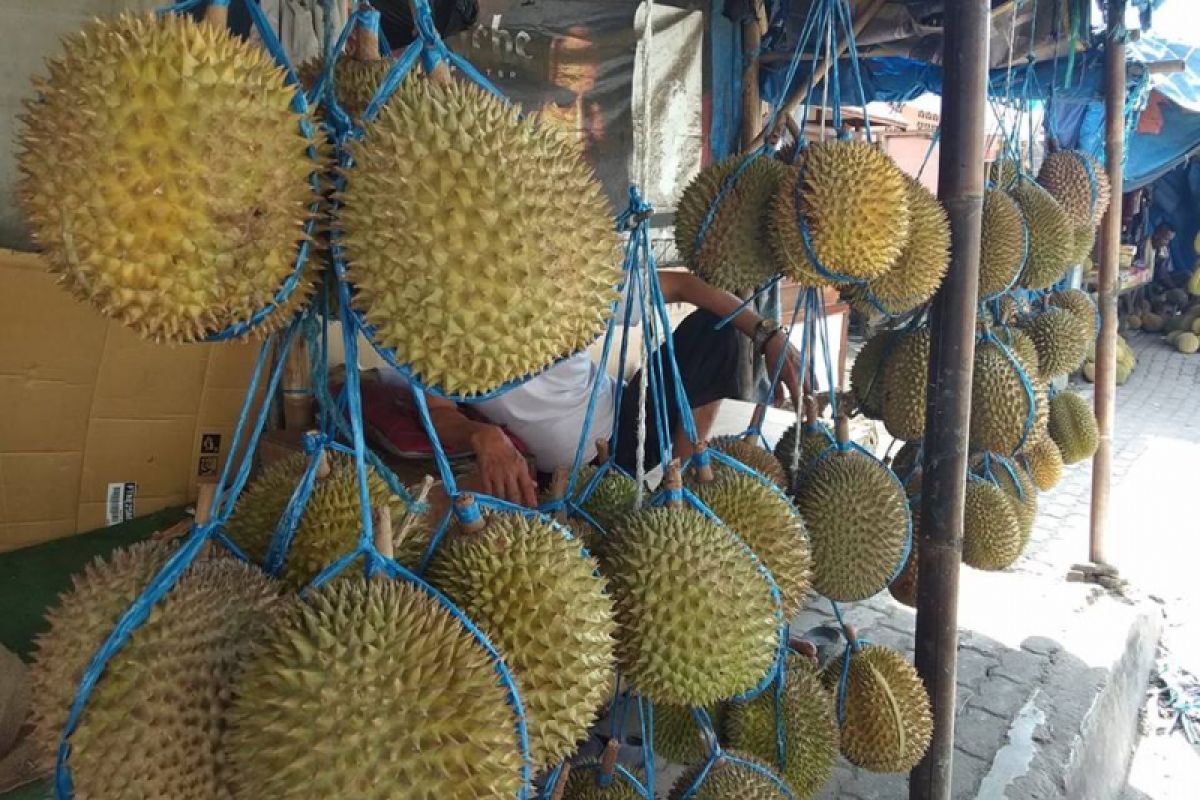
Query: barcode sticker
[120, 503]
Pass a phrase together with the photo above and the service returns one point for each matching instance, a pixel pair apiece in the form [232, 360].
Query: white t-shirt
[548, 410]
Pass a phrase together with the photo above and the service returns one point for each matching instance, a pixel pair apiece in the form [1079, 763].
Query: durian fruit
[904, 588]
[867, 372]
[992, 537]
[1002, 250]
[1051, 238]
[614, 497]
[815, 439]
[1153, 323]
[1061, 341]
[331, 522]
[733, 254]
[1187, 343]
[582, 783]
[541, 602]
[858, 522]
[921, 265]
[810, 730]
[1078, 183]
[904, 383]
[1002, 414]
[479, 241]
[697, 622]
[1073, 427]
[853, 200]
[768, 523]
[1021, 346]
[907, 460]
[1134, 322]
[677, 737]
[756, 458]
[1003, 172]
[154, 722]
[355, 79]
[1045, 463]
[731, 778]
[1084, 243]
[1016, 484]
[887, 724]
[165, 175]
[1080, 305]
[371, 688]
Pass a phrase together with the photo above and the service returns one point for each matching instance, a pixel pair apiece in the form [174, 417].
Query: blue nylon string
[285, 530]
[742, 306]
[392, 80]
[780, 730]
[852, 50]
[646, 723]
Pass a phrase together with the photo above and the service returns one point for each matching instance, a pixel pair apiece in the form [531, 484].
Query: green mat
[32, 578]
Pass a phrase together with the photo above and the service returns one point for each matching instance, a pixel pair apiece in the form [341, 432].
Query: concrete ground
[1052, 674]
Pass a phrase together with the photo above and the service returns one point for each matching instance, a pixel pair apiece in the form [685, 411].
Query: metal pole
[952, 355]
[1106, 282]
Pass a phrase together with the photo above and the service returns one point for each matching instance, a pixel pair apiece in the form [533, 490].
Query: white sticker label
[120, 503]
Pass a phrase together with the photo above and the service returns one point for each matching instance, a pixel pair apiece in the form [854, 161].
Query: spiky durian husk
[1044, 461]
[153, 725]
[355, 79]
[1081, 305]
[1000, 402]
[729, 779]
[1003, 172]
[542, 603]
[1002, 248]
[614, 497]
[810, 730]
[734, 254]
[866, 374]
[1051, 237]
[814, 440]
[1065, 175]
[1017, 486]
[1073, 427]
[1061, 340]
[904, 588]
[1084, 243]
[768, 523]
[888, 725]
[1018, 341]
[696, 619]
[165, 175]
[370, 673]
[677, 737]
[992, 537]
[480, 242]
[582, 783]
[853, 201]
[921, 265]
[858, 521]
[904, 380]
[756, 458]
[330, 524]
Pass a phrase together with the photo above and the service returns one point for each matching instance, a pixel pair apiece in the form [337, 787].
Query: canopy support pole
[752, 33]
[1106, 283]
[951, 365]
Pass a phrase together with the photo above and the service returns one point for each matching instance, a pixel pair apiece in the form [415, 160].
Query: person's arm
[502, 468]
[684, 287]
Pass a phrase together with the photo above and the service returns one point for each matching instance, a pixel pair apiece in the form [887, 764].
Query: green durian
[858, 522]
[372, 689]
[154, 723]
[677, 737]
[815, 439]
[582, 784]
[541, 602]
[731, 778]
[1073, 427]
[992, 537]
[355, 79]
[810, 730]
[1079, 183]
[1002, 414]
[867, 372]
[905, 378]
[696, 620]
[165, 176]
[749, 453]
[1061, 340]
[1080, 305]
[733, 253]
[479, 241]
[1003, 243]
[1044, 461]
[1051, 238]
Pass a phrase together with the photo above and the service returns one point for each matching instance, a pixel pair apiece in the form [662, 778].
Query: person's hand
[503, 469]
[779, 346]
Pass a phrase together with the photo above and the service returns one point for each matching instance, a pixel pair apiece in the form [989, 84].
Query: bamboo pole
[952, 353]
[1106, 280]
[752, 32]
[789, 106]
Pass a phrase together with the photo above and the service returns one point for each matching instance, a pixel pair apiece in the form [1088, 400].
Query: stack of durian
[1172, 312]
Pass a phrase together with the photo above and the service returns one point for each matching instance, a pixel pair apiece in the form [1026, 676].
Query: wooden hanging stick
[217, 15]
[561, 786]
[441, 72]
[673, 482]
[558, 491]
[411, 516]
[704, 470]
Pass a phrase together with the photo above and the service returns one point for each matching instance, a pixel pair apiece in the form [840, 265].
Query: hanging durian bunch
[165, 173]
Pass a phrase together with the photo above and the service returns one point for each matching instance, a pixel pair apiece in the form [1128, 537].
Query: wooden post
[752, 31]
[951, 365]
[1106, 279]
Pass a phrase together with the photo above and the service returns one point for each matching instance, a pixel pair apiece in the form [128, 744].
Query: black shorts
[708, 369]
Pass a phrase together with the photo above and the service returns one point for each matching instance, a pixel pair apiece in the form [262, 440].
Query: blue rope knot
[314, 442]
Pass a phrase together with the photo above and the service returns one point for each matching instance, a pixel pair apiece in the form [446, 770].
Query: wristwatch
[764, 331]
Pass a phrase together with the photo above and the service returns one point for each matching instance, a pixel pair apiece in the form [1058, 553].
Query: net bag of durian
[167, 174]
